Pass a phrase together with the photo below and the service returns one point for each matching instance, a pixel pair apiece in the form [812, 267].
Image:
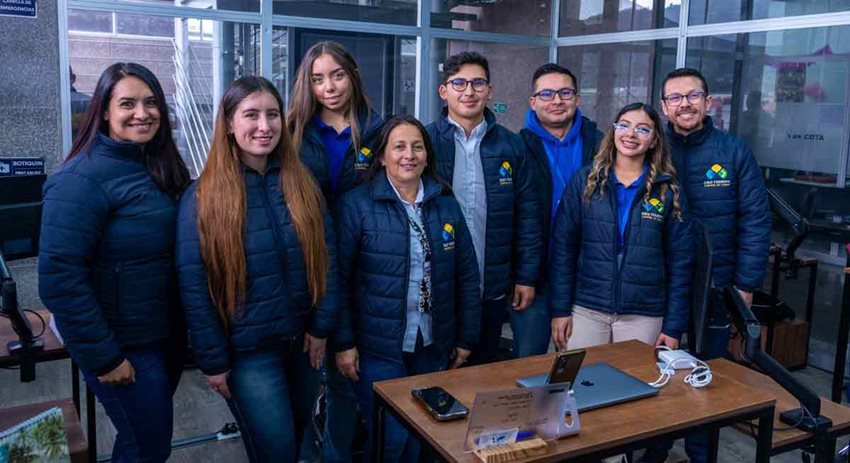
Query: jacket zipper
[618, 269]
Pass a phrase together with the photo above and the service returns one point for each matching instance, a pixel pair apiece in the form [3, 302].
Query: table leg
[825, 450]
[764, 439]
[91, 424]
[713, 443]
[379, 414]
[75, 386]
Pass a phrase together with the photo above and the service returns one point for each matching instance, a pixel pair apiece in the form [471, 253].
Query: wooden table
[677, 411]
[785, 439]
[53, 350]
[73, 432]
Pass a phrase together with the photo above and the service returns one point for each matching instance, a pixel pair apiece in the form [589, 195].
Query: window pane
[613, 75]
[707, 11]
[234, 5]
[192, 71]
[387, 64]
[785, 95]
[89, 21]
[152, 26]
[376, 11]
[501, 17]
[511, 67]
[583, 17]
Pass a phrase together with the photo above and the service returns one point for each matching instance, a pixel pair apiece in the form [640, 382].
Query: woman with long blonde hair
[334, 129]
[257, 271]
[332, 124]
[621, 249]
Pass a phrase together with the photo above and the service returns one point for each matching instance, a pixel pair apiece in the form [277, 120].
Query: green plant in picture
[50, 437]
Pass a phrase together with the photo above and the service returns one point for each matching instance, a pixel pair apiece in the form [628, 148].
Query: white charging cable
[699, 377]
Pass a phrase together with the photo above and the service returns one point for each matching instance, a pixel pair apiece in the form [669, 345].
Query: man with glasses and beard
[560, 140]
[726, 193]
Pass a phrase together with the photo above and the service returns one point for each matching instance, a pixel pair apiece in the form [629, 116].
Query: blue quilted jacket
[654, 278]
[277, 305]
[513, 241]
[106, 269]
[374, 255]
[726, 192]
[355, 166]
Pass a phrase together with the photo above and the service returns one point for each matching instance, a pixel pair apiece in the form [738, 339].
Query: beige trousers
[593, 328]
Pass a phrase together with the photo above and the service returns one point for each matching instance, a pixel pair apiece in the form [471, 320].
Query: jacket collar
[382, 190]
[693, 138]
[444, 126]
[119, 149]
[369, 122]
[272, 167]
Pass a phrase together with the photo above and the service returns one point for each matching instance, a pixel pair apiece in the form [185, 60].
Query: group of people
[321, 241]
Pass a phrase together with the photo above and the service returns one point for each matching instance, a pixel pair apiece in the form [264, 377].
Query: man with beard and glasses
[726, 194]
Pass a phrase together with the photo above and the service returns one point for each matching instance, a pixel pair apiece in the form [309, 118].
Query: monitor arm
[797, 223]
[27, 345]
[807, 417]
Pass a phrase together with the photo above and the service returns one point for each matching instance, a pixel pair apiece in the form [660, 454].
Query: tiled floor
[200, 411]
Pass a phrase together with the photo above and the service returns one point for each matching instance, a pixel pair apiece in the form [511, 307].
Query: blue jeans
[272, 391]
[397, 446]
[717, 345]
[141, 412]
[342, 417]
[532, 327]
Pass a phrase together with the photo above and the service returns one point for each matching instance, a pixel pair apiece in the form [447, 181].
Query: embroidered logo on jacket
[448, 237]
[364, 159]
[653, 209]
[716, 176]
[506, 174]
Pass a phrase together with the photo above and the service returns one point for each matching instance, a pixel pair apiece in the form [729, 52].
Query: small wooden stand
[513, 452]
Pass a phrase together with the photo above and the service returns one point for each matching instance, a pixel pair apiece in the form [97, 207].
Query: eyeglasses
[546, 94]
[640, 132]
[459, 84]
[675, 99]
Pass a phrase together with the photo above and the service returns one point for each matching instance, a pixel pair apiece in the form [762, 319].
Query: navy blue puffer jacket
[513, 241]
[374, 260]
[105, 265]
[277, 305]
[726, 192]
[355, 166]
[657, 263]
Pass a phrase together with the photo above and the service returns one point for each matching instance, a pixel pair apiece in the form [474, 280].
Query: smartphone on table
[566, 366]
[439, 403]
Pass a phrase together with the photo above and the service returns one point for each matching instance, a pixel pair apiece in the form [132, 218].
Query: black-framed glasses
[675, 99]
[640, 132]
[460, 84]
[548, 94]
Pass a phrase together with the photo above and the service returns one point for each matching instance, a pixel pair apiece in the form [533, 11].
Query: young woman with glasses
[621, 257]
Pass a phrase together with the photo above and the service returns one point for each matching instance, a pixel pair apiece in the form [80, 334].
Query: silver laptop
[600, 385]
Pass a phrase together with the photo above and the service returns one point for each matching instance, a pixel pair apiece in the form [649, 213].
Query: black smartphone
[566, 366]
[440, 404]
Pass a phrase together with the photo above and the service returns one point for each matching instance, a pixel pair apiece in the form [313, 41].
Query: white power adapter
[676, 360]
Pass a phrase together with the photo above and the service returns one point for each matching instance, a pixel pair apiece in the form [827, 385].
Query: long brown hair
[162, 160]
[657, 158]
[303, 105]
[222, 206]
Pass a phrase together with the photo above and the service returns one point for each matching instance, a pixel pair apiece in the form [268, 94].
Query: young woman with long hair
[257, 271]
[621, 249]
[334, 128]
[106, 258]
[330, 119]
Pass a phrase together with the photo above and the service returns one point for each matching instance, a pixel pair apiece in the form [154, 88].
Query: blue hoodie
[565, 156]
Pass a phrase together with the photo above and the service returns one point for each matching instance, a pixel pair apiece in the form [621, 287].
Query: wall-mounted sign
[500, 108]
[23, 8]
[17, 167]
